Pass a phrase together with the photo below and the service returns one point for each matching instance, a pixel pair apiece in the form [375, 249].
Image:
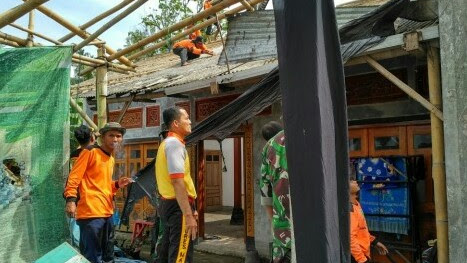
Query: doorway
[213, 180]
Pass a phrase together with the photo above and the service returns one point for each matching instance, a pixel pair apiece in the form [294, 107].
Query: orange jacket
[360, 238]
[207, 4]
[194, 35]
[188, 44]
[91, 176]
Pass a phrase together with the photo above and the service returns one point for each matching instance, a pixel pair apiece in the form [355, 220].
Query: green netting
[34, 141]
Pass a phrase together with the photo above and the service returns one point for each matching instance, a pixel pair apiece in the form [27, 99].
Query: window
[386, 143]
[421, 141]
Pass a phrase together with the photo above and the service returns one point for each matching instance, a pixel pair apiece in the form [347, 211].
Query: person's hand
[191, 226]
[382, 249]
[70, 209]
[123, 182]
[195, 215]
[209, 52]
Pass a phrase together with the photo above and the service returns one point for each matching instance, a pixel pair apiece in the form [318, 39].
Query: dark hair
[83, 135]
[198, 39]
[270, 129]
[171, 114]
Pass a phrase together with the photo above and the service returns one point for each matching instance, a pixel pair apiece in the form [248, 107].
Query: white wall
[227, 177]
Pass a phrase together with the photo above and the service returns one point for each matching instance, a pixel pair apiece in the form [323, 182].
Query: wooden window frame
[363, 135]
[399, 131]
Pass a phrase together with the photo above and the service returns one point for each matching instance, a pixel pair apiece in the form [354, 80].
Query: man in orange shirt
[91, 180]
[360, 237]
[207, 4]
[190, 49]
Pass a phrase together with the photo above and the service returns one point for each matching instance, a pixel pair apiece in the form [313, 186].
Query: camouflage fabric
[275, 192]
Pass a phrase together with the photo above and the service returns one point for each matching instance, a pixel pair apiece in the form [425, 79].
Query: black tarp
[315, 121]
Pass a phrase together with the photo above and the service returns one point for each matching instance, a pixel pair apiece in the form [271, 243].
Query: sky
[79, 12]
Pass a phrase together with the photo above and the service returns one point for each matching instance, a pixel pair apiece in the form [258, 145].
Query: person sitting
[190, 49]
[360, 237]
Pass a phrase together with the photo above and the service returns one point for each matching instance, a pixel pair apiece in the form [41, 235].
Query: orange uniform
[91, 177]
[360, 238]
[195, 34]
[207, 4]
[188, 44]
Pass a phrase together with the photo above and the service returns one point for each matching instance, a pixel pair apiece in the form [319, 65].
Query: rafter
[18, 11]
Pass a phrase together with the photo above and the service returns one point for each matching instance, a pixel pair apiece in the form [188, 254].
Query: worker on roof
[360, 237]
[190, 49]
[208, 4]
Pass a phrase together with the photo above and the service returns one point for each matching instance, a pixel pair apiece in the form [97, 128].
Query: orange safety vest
[188, 44]
[207, 4]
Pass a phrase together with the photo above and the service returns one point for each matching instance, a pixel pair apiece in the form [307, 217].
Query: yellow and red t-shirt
[91, 179]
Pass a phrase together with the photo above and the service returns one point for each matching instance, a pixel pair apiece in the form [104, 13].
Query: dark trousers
[209, 28]
[96, 235]
[184, 54]
[170, 249]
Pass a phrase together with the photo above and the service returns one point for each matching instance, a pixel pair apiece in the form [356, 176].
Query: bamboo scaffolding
[192, 29]
[109, 24]
[9, 43]
[83, 115]
[437, 151]
[125, 108]
[87, 61]
[31, 27]
[404, 87]
[247, 5]
[11, 15]
[97, 19]
[101, 90]
[185, 22]
[81, 33]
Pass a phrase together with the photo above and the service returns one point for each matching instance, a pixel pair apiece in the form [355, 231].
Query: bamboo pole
[11, 15]
[192, 29]
[101, 90]
[437, 151]
[219, 29]
[404, 87]
[247, 5]
[109, 24]
[83, 34]
[125, 108]
[97, 19]
[185, 22]
[9, 43]
[31, 27]
[83, 115]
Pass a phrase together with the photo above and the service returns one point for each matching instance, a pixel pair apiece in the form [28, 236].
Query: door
[213, 180]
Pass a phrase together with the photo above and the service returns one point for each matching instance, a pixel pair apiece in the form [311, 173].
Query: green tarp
[34, 148]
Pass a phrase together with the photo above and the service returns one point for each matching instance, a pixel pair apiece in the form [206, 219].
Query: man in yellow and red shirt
[190, 49]
[91, 180]
[360, 237]
[177, 190]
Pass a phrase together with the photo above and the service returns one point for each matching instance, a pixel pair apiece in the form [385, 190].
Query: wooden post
[11, 15]
[247, 5]
[31, 27]
[237, 212]
[83, 114]
[200, 188]
[404, 87]
[97, 19]
[101, 90]
[109, 24]
[437, 149]
[185, 22]
[192, 29]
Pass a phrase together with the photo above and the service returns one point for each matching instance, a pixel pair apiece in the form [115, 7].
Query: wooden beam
[97, 19]
[136, 98]
[214, 88]
[31, 27]
[11, 15]
[247, 5]
[125, 108]
[83, 115]
[192, 29]
[177, 26]
[404, 87]
[109, 24]
[437, 149]
[200, 186]
[101, 90]
[83, 34]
